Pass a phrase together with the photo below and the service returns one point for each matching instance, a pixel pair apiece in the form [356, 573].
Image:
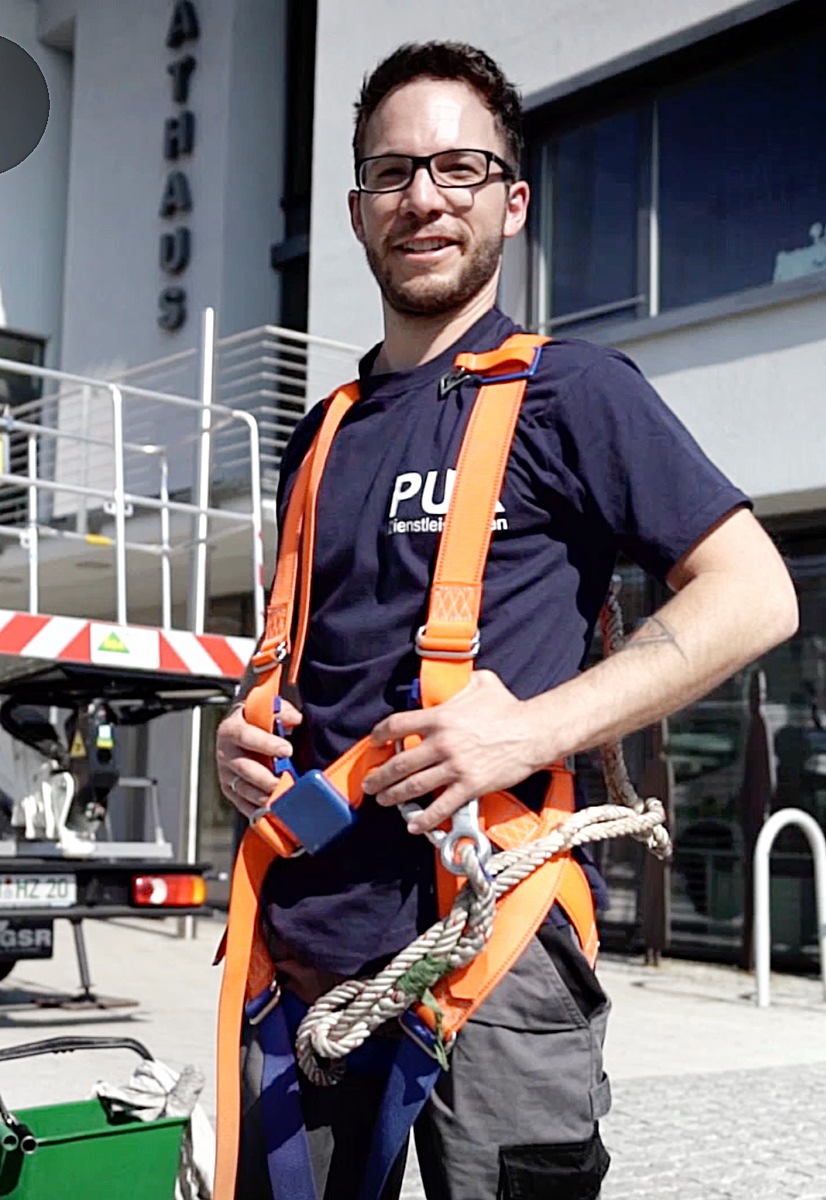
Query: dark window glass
[743, 176]
[596, 197]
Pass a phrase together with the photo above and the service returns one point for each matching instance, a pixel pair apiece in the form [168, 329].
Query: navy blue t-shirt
[599, 465]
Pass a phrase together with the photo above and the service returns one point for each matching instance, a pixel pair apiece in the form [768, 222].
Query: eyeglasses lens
[449, 168]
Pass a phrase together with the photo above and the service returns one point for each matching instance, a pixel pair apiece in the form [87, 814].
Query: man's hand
[245, 755]
[479, 741]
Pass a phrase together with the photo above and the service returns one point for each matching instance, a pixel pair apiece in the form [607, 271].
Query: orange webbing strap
[244, 960]
[247, 964]
[340, 405]
[448, 639]
[296, 544]
[521, 911]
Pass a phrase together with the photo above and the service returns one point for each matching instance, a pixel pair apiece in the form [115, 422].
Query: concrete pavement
[713, 1098]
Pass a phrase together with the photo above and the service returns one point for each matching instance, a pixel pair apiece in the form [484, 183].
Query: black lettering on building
[176, 198]
[181, 70]
[172, 308]
[183, 27]
[175, 249]
[178, 135]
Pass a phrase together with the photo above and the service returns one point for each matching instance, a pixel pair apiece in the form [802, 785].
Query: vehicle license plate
[37, 891]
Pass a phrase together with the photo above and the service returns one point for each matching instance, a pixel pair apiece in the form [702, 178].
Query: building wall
[93, 187]
[33, 197]
[728, 379]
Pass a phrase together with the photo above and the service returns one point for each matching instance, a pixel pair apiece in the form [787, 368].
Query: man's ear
[353, 200]
[516, 212]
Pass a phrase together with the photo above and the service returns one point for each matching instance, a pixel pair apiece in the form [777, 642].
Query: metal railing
[762, 906]
[273, 373]
[88, 471]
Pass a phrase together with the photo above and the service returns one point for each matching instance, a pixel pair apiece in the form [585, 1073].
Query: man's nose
[422, 195]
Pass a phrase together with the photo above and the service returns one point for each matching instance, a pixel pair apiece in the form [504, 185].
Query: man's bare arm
[734, 601]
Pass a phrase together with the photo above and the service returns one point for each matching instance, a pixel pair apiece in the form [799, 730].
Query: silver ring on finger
[233, 784]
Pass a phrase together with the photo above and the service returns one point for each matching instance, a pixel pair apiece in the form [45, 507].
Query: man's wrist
[545, 736]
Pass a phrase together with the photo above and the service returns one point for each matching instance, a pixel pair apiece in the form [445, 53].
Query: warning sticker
[78, 746]
[113, 644]
[125, 646]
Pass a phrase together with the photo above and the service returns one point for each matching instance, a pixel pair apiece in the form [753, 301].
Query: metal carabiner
[464, 827]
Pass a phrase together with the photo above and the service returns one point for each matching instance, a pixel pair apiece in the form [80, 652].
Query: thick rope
[343, 1018]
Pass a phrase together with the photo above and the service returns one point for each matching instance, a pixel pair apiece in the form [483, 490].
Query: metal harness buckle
[275, 656]
[446, 655]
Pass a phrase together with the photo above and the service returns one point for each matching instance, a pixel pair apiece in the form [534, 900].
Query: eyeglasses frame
[509, 173]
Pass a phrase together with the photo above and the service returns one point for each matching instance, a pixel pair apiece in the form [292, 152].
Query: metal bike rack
[762, 915]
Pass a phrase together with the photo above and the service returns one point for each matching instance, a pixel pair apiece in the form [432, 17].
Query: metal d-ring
[464, 828]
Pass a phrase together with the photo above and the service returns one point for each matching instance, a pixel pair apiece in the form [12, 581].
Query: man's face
[433, 249]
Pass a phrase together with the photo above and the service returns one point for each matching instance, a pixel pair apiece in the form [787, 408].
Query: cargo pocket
[564, 1171]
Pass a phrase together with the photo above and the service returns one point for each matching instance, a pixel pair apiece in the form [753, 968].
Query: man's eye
[460, 168]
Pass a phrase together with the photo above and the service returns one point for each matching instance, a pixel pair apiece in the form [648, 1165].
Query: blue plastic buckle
[314, 811]
[459, 375]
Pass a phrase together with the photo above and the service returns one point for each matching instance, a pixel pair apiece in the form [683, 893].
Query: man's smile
[426, 249]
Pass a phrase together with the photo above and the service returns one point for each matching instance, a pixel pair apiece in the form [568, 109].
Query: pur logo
[426, 498]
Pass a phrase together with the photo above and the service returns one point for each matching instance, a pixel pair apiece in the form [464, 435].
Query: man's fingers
[424, 783]
[250, 772]
[444, 806]
[251, 737]
[400, 725]
[290, 715]
[406, 762]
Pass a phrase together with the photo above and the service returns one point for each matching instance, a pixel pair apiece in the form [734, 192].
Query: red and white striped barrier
[100, 643]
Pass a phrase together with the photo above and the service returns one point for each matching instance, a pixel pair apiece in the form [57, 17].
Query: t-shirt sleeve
[639, 466]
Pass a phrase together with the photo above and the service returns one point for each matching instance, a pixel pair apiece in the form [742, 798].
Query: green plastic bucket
[80, 1151]
[82, 1154]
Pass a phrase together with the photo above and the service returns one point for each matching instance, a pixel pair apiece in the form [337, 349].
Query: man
[598, 465]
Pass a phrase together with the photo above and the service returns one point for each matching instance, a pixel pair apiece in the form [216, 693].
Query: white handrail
[762, 908]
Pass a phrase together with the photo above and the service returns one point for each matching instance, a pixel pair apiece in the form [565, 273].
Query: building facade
[678, 212]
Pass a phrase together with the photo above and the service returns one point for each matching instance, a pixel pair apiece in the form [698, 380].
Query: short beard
[425, 297]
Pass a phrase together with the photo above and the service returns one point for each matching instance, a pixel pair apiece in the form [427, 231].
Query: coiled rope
[343, 1018]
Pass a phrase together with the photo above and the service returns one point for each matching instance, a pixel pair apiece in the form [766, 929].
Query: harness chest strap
[450, 630]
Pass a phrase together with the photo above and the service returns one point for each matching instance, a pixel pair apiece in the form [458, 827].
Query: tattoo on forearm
[654, 632]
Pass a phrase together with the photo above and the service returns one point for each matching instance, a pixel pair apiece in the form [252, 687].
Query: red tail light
[168, 891]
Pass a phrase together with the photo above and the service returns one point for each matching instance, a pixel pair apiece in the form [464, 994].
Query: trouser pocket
[564, 1171]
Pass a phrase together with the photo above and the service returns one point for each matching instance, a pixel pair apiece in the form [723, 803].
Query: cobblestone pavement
[736, 1135]
[708, 1104]
[732, 1135]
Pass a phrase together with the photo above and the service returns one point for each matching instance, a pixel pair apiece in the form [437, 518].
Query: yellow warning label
[78, 749]
[113, 645]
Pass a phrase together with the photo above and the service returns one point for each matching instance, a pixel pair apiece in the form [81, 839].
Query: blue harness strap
[411, 1075]
[285, 1138]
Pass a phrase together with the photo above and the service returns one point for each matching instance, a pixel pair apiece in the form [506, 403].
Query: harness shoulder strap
[448, 641]
[296, 545]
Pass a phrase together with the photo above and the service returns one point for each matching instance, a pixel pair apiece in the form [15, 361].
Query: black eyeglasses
[448, 169]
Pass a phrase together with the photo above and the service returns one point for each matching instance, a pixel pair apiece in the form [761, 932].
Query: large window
[719, 786]
[687, 192]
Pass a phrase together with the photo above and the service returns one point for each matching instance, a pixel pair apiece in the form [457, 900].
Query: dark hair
[444, 60]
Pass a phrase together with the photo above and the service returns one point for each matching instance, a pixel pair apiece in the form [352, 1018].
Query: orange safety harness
[447, 645]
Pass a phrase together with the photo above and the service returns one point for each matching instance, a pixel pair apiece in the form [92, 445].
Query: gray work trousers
[515, 1117]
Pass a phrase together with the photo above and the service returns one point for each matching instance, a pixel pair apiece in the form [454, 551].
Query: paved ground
[713, 1098]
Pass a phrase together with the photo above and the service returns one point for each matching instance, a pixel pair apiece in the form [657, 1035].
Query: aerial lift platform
[116, 479]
